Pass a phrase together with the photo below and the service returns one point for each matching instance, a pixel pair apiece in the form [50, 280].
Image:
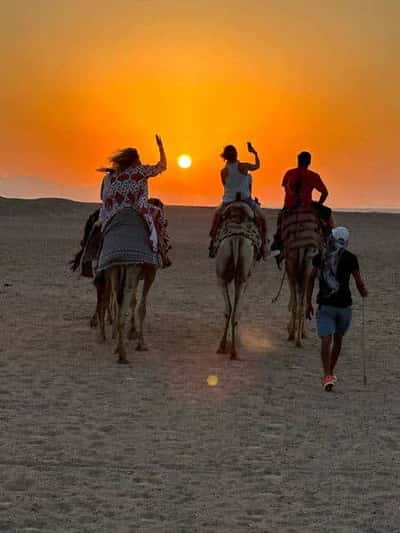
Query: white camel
[235, 261]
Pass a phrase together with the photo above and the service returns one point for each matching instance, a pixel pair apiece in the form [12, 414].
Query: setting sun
[184, 161]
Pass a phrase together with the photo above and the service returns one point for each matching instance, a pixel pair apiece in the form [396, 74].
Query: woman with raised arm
[126, 186]
[237, 182]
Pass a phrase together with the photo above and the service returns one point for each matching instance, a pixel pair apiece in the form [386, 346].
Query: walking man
[333, 267]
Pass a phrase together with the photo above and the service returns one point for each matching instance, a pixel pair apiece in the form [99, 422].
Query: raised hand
[159, 141]
[251, 148]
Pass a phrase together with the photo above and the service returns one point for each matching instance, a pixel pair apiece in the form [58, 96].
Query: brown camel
[120, 284]
[235, 261]
[301, 237]
[298, 264]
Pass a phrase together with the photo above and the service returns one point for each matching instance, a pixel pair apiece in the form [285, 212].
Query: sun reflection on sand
[255, 340]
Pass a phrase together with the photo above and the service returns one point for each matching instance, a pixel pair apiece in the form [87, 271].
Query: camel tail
[236, 253]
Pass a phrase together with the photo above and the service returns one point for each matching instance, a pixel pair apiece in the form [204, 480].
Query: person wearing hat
[333, 268]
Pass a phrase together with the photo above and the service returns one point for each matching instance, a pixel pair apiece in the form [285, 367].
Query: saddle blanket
[301, 229]
[126, 242]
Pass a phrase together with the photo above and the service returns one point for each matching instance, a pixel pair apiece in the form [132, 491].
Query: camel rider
[299, 184]
[126, 186]
[237, 183]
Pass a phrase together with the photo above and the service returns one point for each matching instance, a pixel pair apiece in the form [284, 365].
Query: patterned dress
[129, 188]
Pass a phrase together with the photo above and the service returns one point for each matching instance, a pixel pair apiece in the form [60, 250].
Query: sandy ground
[87, 445]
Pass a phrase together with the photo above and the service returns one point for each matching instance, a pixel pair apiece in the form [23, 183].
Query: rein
[274, 300]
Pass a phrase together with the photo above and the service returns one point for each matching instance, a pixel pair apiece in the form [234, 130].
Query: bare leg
[326, 345]
[149, 276]
[336, 348]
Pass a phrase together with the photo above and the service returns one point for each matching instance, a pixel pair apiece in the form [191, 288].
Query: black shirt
[348, 264]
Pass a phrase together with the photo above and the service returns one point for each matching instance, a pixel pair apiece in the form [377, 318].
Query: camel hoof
[290, 337]
[299, 344]
[222, 349]
[234, 357]
[123, 361]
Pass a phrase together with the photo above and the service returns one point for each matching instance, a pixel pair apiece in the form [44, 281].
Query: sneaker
[327, 383]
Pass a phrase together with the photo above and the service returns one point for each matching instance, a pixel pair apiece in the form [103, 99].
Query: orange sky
[82, 78]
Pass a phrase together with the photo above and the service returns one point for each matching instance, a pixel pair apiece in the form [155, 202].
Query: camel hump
[241, 206]
[301, 228]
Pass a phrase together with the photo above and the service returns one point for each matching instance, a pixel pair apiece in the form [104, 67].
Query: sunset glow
[82, 79]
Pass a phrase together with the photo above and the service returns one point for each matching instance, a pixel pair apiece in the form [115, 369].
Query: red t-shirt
[299, 184]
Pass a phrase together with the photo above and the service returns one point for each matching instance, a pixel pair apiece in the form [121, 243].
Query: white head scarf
[341, 237]
[339, 242]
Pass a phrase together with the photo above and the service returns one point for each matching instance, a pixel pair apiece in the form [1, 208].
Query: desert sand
[87, 445]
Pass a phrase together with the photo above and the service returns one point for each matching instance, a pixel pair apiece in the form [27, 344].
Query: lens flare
[212, 380]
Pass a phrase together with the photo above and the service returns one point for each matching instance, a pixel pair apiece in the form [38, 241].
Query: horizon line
[205, 206]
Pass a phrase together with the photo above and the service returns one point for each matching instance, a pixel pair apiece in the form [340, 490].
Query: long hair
[124, 158]
[229, 153]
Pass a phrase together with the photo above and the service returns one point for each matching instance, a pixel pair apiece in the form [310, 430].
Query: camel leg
[132, 333]
[149, 277]
[244, 260]
[292, 306]
[99, 289]
[100, 309]
[119, 286]
[228, 312]
[303, 271]
[110, 302]
[239, 291]
[114, 310]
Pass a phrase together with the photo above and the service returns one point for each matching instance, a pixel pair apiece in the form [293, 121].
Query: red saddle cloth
[301, 228]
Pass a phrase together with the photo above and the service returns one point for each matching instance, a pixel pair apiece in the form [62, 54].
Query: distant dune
[53, 206]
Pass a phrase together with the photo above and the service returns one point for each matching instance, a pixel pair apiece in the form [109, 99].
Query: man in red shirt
[299, 184]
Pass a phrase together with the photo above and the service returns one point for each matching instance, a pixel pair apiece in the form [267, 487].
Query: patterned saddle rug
[126, 242]
[238, 220]
[301, 229]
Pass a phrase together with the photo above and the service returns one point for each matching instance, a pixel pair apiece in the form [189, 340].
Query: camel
[235, 260]
[298, 264]
[85, 259]
[302, 240]
[119, 284]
